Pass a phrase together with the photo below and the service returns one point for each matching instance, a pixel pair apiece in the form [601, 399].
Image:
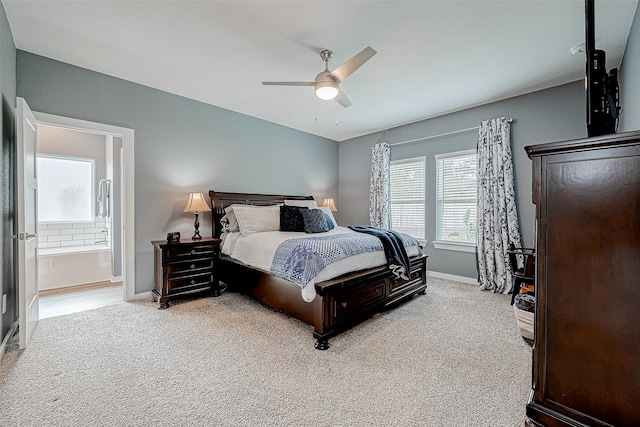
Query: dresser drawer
[180, 252]
[185, 283]
[189, 267]
[353, 301]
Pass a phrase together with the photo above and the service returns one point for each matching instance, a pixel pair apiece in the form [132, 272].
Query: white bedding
[258, 249]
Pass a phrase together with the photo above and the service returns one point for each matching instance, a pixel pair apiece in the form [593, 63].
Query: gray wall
[629, 80]
[181, 145]
[7, 60]
[544, 116]
[7, 245]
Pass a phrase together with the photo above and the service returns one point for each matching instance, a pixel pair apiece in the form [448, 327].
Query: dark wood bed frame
[340, 303]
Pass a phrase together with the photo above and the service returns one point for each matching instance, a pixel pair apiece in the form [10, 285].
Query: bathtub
[73, 265]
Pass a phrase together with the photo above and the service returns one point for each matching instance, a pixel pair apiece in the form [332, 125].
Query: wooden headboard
[220, 200]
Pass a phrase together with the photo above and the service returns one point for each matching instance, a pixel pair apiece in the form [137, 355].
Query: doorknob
[23, 236]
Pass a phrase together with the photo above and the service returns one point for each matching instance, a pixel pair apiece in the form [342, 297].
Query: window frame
[422, 159]
[90, 160]
[441, 243]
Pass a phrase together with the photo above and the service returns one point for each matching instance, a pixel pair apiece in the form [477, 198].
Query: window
[456, 197]
[407, 196]
[65, 189]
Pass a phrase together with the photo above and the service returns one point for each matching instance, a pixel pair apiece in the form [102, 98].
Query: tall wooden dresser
[586, 358]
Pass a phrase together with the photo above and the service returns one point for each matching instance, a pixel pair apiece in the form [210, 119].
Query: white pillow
[254, 219]
[327, 210]
[311, 204]
[229, 221]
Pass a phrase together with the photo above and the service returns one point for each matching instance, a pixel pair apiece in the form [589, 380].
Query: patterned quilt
[300, 260]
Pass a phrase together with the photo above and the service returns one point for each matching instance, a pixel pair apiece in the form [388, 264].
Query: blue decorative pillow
[329, 221]
[291, 218]
[314, 221]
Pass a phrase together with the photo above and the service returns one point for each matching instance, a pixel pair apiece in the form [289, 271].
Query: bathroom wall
[56, 235]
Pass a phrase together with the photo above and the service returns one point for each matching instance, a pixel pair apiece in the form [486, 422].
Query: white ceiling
[434, 57]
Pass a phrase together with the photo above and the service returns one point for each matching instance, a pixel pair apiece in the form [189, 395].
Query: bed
[337, 303]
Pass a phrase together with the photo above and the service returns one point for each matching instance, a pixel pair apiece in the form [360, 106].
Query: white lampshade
[196, 203]
[329, 202]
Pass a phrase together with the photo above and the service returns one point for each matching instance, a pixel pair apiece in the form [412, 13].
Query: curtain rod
[441, 134]
[436, 136]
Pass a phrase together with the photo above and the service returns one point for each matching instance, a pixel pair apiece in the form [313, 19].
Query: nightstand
[185, 267]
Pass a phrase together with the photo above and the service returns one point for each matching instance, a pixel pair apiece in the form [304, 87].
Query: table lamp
[331, 204]
[196, 204]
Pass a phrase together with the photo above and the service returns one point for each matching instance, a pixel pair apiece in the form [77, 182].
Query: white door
[26, 213]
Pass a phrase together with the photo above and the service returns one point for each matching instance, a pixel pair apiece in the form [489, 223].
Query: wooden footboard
[340, 303]
[353, 298]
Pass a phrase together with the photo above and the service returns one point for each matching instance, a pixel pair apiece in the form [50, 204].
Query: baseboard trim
[141, 296]
[84, 287]
[453, 277]
[5, 341]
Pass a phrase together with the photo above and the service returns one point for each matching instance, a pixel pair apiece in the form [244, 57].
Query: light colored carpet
[452, 357]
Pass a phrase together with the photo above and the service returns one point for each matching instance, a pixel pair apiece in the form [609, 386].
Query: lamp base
[196, 233]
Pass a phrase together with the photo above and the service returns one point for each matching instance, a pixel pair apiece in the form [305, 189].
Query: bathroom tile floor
[71, 301]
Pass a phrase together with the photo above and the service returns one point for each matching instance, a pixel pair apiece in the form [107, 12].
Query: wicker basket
[525, 323]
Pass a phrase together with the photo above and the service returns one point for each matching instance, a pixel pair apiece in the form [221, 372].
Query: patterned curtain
[379, 212]
[497, 215]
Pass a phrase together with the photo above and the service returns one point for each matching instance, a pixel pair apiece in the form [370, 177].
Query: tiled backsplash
[55, 235]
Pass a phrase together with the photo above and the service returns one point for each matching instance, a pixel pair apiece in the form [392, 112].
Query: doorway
[79, 220]
[119, 142]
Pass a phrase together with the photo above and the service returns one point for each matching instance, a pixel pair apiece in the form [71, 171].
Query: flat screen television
[603, 94]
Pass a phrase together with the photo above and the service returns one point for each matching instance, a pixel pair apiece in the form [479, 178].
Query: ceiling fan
[327, 83]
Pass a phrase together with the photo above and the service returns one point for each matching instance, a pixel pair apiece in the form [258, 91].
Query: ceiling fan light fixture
[326, 90]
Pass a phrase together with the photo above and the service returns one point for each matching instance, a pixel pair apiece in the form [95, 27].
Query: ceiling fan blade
[346, 69]
[342, 99]
[288, 83]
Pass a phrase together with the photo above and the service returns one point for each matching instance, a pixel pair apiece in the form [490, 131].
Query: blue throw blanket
[393, 244]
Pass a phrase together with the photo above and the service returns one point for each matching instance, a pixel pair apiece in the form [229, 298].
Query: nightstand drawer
[180, 252]
[184, 283]
[189, 267]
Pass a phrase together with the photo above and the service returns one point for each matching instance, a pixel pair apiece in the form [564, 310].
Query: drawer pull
[192, 266]
[193, 251]
[193, 282]
[344, 304]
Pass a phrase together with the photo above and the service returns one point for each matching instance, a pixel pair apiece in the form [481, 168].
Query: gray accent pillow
[315, 221]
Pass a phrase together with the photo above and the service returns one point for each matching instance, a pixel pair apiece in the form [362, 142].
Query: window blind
[408, 196]
[456, 200]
